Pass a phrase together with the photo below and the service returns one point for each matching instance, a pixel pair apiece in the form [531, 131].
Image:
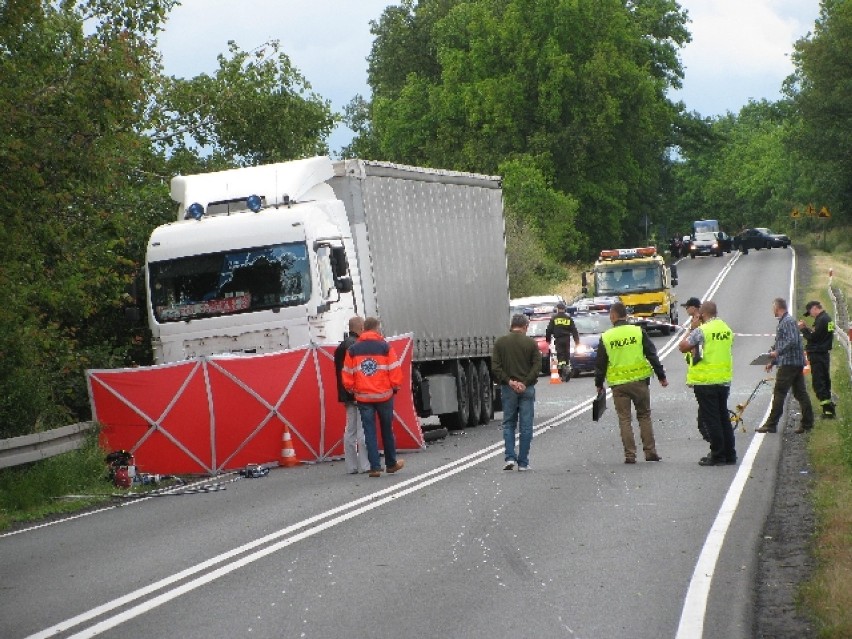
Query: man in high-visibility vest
[627, 357]
[709, 373]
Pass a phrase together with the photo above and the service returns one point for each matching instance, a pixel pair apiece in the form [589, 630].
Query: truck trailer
[275, 257]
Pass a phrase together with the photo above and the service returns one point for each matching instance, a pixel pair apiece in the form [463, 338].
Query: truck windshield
[237, 281]
[705, 226]
[616, 280]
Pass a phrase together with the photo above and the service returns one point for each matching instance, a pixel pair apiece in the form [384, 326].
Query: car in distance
[776, 240]
[534, 305]
[600, 303]
[726, 242]
[537, 329]
[760, 238]
[705, 243]
[590, 326]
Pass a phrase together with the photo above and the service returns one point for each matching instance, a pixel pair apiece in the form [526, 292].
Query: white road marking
[286, 536]
[692, 617]
[695, 604]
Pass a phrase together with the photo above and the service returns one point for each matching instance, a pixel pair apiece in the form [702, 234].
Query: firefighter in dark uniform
[820, 340]
[562, 329]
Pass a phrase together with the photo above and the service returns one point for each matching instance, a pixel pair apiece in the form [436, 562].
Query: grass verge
[66, 483]
[827, 596]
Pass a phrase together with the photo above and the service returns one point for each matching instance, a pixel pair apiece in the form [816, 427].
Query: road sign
[795, 213]
[810, 211]
[824, 212]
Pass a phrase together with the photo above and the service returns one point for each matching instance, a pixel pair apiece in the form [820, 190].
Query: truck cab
[255, 263]
[643, 282]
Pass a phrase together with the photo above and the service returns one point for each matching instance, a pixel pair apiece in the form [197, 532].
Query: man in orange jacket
[373, 374]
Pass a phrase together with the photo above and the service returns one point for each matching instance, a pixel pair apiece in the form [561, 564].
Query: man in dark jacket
[562, 329]
[354, 448]
[820, 340]
[515, 364]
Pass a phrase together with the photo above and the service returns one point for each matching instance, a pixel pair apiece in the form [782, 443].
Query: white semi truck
[268, 258]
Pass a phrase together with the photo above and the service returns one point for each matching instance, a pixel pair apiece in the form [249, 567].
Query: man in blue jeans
[515, 364]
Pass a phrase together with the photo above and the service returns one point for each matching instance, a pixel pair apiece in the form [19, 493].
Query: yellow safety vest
[717, 363]
[627, 361]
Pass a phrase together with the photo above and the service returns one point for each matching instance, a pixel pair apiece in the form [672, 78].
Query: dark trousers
[715, 421]
[821, 375]
[563, 346]
[790, 378]
[384, 410]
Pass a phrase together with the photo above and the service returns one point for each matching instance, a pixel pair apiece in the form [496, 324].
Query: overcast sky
[739, 51]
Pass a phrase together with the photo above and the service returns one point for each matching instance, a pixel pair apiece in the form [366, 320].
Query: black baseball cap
[692, 301]
[809, 306]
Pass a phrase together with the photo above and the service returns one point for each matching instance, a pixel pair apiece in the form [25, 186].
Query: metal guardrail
[29, 448]
[844, 335]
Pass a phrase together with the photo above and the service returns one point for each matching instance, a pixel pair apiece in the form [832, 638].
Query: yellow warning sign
[810, 211]
[795, 213]
[824, 212]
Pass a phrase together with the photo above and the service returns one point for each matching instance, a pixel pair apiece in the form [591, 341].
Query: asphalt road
[582, 547]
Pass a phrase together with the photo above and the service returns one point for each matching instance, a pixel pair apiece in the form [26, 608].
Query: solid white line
[313, 525]
[695, 604]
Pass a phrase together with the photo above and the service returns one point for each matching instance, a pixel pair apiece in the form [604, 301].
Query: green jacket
[516, 356]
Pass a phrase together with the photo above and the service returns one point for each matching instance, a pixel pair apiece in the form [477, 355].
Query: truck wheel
[473, 393]
[486, 394]
[692, 255]
[459, 419]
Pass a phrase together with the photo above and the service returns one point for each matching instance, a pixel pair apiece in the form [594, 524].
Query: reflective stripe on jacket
[716, 365]
[371, 370]
[626, 359]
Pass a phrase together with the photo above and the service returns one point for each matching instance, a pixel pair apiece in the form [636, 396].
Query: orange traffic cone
[554, 370]
[807, 369]
[288, 453]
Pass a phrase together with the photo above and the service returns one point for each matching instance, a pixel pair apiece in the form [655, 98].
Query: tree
[256, 109]
[90, 135]
[822, 92]
[578, 85]
[742, 172]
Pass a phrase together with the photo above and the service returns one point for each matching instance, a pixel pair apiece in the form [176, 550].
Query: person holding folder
[627, 358]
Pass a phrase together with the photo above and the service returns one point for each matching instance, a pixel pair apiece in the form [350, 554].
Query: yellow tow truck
[643, 282]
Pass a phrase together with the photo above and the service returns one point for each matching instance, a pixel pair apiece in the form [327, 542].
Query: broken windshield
[617, 280]
[237, 281]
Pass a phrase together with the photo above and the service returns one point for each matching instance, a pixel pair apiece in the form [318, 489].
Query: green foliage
[581, 86]
[256, 109]
[70, 153]
[822, 92]
[740, 171]
[90, 135]
[531, 199]
[32, 491]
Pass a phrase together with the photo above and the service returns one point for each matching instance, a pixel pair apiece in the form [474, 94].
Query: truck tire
[486, 394]
[459, 419]
[473, 393]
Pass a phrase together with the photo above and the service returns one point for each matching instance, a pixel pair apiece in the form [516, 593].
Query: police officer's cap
[809, 306]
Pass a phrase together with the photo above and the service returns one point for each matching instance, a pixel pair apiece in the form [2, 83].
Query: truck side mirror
[343, 284]
[674, 275]
[585, 282]
[338, 262]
